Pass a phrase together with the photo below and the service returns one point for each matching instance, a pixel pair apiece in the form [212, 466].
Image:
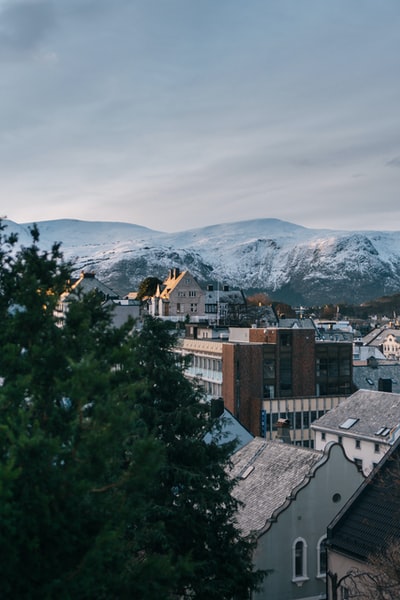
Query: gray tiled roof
[371, 519]
[296, 323]
[277, 469]
[376, 337]
[372, 409]
[382, 370]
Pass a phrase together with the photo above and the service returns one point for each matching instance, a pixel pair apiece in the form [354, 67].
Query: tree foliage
[148, 287]
[107, 488]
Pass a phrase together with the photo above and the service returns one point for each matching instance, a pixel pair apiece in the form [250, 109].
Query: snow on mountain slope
[292, 263]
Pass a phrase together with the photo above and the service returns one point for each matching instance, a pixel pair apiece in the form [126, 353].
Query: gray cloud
[180, 113]
[394, 162]
[23, 26]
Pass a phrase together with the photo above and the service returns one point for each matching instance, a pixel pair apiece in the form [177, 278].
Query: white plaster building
[366, 424]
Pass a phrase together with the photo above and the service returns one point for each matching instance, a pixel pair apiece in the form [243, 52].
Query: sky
[177, 114]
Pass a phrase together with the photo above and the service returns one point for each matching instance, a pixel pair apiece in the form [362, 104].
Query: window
[299, 554]
[340, 439]
[358, 444]
[193, 308]
[359, 463]
[348, 423]
[323, 436]
[376, 448]
[192, 294]
[321, 557]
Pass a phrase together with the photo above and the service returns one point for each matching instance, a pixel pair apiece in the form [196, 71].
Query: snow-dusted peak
[291, 263]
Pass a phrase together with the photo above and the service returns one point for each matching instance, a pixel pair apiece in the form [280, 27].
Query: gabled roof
[87, 283]
[269, 474]
[377, 336]
[371, 518]
[172, 281]
[373, 411]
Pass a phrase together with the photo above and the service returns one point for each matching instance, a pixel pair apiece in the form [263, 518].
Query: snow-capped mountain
[291, 263]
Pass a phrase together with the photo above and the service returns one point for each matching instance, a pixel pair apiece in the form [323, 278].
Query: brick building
[265, 374]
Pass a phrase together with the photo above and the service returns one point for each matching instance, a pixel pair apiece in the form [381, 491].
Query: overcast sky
[175, 114]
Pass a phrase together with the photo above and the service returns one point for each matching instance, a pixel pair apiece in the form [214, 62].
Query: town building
[288, 496]
[366, 424]
[364, 528]
[86, 283]
[272, 372]
[179, 297]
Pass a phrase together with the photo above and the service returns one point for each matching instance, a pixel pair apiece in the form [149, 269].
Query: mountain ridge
[290, 262]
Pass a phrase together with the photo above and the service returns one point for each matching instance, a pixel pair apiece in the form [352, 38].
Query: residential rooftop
[371, 413]
[268, 472]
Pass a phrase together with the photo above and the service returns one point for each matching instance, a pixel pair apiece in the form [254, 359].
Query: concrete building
[264, 374]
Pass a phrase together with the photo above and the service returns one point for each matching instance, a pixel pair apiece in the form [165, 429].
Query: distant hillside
[291, 263]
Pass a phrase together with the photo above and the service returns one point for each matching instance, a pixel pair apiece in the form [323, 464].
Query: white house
[366, 424]
[391, 345]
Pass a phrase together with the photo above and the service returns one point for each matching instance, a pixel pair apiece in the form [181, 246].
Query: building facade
[264, 374]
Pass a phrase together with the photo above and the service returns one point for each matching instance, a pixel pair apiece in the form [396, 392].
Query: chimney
[217, 407]
[283, 431]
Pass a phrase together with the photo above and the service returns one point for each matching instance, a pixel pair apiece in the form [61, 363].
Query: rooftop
[371, 518]
[373, 413]
[268, 472]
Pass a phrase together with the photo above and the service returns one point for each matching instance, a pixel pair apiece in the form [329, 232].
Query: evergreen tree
[107, 488]
[148, 287]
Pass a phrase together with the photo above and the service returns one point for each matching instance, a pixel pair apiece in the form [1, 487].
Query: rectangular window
[323, 436]
[358, 444]
[376, 448]
[192, 294]
[193, 308]
[340, 439]
[359, 463]
[211, 308]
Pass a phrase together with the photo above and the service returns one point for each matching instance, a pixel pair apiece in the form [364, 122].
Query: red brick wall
[242, 372]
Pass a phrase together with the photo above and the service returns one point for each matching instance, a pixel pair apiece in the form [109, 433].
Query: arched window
[321, 557]
[299, 558]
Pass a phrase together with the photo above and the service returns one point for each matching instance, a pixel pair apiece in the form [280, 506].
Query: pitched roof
[377, 336]
[231, 430]
[363, 375]
[173, 279]
[371, 518]
[371, 411]
[268, 474]
[88, 282]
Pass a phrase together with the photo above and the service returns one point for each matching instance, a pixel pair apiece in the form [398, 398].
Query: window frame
[321, 547]
[297, 578]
